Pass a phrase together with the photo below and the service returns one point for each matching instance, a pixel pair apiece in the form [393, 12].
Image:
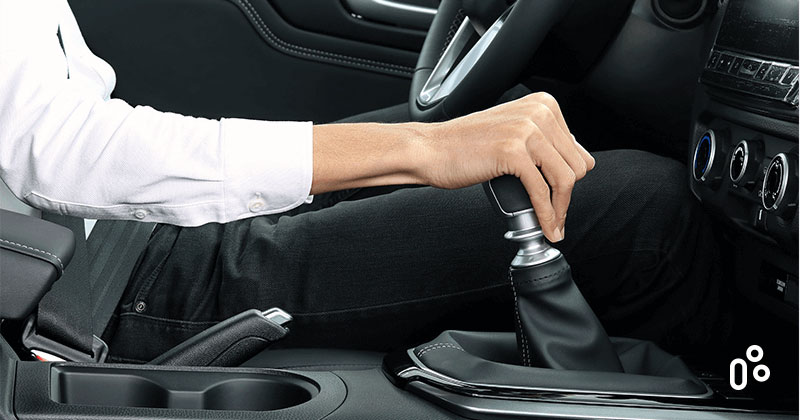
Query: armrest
[33, 255]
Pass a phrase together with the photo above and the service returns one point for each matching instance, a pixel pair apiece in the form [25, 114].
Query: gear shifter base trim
[486, 364]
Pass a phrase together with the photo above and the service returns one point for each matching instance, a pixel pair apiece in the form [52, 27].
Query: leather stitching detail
[60, 263]
[549, 276]
[287, 47]
[451, 33]
[438, 346]
[526, 352]
[427, 346]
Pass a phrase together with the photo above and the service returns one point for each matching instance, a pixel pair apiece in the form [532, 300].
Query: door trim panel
[323, 48]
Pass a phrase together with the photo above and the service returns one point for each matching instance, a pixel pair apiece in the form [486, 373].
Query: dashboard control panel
[767, 79]
[743, 149]
[745, 137]
[748, 176]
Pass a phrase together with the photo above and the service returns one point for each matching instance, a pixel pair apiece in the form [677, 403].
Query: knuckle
[581, 170]
[533, 97]
[566, 181]
[534, 132]
[535, 143]
[527, 125]
[571, 178]
[521, 128]
[547, 99]
[541, 110]
[544, 116]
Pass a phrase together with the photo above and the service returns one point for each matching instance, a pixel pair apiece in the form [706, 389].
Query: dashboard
[743, 157]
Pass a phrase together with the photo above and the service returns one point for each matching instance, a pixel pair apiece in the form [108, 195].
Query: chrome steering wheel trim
[462, 68]
[449, 72]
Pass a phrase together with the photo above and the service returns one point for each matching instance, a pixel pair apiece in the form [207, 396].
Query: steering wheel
[466, 64]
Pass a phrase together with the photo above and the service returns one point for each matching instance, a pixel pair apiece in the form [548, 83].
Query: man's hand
[527, 138]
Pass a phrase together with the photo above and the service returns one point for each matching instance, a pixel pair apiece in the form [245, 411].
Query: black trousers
[384, 268]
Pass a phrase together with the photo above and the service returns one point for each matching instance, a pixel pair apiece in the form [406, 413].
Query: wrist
[421, 151]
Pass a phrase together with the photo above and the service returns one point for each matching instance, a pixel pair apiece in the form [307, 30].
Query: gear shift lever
[555, 328]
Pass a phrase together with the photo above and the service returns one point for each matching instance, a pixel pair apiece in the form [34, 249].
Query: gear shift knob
[555, 326]
[509, 197]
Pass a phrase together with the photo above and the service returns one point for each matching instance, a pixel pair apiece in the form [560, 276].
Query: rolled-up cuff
[267, 166]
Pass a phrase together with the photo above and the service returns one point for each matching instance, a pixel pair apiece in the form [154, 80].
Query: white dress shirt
[66, 147]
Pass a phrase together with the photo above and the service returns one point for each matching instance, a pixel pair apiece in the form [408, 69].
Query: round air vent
[680, 13]
[703, 161]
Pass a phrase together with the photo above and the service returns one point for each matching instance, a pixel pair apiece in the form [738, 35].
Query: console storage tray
[110, 391]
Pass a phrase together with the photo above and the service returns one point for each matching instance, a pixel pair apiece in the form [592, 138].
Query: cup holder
[255, 394]
[199, 390]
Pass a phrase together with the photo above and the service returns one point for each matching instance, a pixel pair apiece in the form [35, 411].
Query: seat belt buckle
[47, 350]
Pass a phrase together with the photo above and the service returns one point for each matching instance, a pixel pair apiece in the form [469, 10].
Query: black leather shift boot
[491, 361]
[556, 328]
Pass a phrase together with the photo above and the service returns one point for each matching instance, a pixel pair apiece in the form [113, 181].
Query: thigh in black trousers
[389, 270]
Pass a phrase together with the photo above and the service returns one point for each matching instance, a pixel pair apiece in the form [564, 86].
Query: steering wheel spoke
[454, 65]
[477, 65]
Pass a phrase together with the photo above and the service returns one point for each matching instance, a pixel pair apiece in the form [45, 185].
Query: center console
[743, 167]
[559, 363]
[743, 157]
[560, 355]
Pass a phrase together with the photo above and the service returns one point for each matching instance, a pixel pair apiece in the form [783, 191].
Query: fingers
[562, 160]
[563, 141]
[554, 160]
[559, 175]
[587, 157]
[539, 193]
[552, 104]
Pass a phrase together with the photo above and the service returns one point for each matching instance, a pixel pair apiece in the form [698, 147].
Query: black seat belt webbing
[115, 247]
[81, 303]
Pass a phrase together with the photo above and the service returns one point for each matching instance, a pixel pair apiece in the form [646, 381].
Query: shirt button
[256, 205]
[140, 214]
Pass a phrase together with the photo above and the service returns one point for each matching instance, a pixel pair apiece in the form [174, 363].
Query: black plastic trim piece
[547, 408]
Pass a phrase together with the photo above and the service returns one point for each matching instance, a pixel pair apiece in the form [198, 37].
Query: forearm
[367, 154]
[527, 138]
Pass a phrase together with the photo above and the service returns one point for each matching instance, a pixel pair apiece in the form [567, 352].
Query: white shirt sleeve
[66, 148]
